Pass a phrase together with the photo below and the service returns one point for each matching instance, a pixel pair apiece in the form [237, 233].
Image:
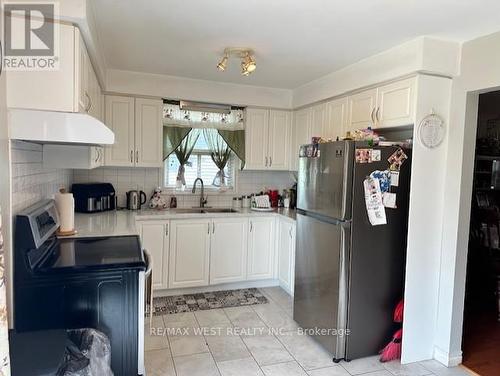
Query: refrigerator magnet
[389, 200]
[363, 155]
[397, 159]
[394, 178]
[376, 155]
[384, 179]
[374, 204]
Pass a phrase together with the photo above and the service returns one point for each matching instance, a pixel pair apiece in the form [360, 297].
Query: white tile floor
[239, 354]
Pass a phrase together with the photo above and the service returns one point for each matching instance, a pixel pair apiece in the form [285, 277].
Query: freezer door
[325, 181]
[320, 299]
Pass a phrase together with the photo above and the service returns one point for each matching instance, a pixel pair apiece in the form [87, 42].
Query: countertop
[123, 222]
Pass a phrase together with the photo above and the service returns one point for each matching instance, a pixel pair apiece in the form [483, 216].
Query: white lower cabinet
[228, 250]
[155, 239]
[211, 251]
[261, 247]
[189, 253]
[286, 254]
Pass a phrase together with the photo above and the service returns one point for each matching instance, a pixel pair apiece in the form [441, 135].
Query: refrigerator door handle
[343, 291]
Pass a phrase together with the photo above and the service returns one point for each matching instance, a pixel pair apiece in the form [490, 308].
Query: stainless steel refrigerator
[349, 275]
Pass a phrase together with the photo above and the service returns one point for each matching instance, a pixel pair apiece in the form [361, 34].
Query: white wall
[5, 187]
[480, 71]
[423, 54]
[31, 182]
[424, 225]
[163, 86]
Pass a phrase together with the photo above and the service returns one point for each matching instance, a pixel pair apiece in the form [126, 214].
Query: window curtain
[172, 138]
[4, 327]
[236, 142]
[180, 141]
[220, 154]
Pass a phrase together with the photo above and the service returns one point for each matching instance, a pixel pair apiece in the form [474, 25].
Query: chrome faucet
[203, 200]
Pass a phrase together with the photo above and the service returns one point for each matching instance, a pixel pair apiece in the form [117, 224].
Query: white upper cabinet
[256, 140]
[390, 105]
[261, 248]
[148, 132]
[301, 135]
[228, 250]
[279, 139]
[73, 87]
[362, 108]
[155, 240]
[267, 139]
[336, 120]
[189, 253]
[120, 119]
[396, 104]
[138, 131]
[318, 121]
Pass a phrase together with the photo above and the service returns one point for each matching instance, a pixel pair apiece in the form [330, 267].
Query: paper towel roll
[65, 204]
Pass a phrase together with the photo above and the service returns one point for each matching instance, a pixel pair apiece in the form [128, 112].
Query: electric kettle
[135, 199]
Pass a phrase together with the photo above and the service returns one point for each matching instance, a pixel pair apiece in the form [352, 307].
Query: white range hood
[50, 127]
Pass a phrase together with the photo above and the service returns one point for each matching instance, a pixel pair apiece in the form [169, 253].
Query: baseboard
[449, 360]
[224, 286]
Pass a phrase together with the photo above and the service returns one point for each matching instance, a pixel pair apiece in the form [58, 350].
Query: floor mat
[208, 300]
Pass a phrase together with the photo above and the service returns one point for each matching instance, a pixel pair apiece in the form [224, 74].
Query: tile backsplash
[147, 179]
[30, 181]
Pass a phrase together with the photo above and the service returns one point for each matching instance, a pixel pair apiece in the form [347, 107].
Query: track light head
[222, 64]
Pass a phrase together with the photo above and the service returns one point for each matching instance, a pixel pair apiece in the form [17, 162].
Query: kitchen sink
[204, 210]
[189, 211]
[220, 210]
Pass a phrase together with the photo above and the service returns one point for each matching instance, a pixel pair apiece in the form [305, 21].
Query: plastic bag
[88, 353]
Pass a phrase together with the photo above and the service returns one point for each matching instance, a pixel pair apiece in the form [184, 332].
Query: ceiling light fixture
[222, 64]
[248, 64]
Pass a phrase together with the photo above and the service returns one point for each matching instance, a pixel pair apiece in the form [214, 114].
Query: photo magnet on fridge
[397, 159]
[364, 155]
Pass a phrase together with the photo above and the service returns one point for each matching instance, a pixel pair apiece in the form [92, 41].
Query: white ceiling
[296, 41]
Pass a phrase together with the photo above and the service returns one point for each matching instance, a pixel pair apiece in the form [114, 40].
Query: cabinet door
[286, 255]
[279, 140]
[256, 139]
[228, 250]
[189, 253]
[301, 135]
[396, 104]
[54, 90]
[148, 133]
[154, 238]
[336, 119]
[362, 110]
[120, 119]
[261, 248]
[318, 120]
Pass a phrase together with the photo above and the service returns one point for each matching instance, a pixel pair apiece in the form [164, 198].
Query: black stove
[79, 283]
[88, 254]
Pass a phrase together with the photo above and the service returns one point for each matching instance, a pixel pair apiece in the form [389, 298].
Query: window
[200, 165]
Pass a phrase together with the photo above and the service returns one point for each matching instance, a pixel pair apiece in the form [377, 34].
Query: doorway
[481, 330]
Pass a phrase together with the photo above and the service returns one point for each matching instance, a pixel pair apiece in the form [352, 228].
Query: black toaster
[94, 197]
